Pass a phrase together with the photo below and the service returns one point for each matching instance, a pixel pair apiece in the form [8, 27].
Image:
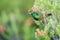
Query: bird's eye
[50, 14]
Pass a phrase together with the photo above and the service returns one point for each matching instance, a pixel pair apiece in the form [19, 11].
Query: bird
[35, 15]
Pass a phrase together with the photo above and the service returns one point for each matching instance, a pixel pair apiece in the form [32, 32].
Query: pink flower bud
[2, 29]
